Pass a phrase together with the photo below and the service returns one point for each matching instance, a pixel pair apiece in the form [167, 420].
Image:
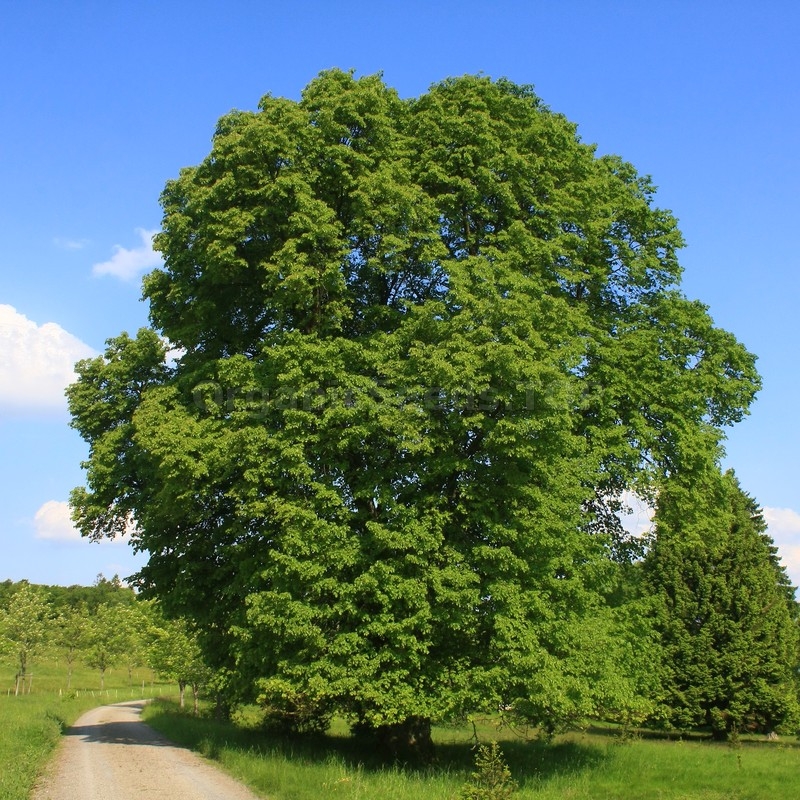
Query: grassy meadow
[594, 763]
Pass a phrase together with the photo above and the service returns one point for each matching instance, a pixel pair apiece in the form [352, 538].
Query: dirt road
[110, 754]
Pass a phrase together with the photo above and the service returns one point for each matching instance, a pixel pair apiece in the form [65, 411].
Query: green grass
[32, 723]
[30, 727]
[592, 765]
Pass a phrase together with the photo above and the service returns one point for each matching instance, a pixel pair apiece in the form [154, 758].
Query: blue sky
[103, 102]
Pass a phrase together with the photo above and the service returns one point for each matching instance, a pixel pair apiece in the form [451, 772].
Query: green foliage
[31, 728]
[7, 588]
[66, 618]
[173, 652]
[23, 628]
[65, 599]
[53, 623]
[108, 638]
[71, 635]
[491, 779]
[728, 617]
[426, 343]
[289, 711]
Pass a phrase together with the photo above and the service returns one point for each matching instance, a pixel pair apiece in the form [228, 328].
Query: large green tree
[728, 618]
[425, 345]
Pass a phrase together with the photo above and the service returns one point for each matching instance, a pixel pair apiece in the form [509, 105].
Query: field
[595, 763]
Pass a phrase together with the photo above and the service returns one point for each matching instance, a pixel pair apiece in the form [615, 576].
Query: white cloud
[52, 521]
[785, 520]
[784, 528]
[36, 362]
[128, 264]
[70, 244]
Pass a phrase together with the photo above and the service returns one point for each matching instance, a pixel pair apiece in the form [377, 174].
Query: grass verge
[30, 727]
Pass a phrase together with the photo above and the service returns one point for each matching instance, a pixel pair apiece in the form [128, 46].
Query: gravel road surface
[110, 754]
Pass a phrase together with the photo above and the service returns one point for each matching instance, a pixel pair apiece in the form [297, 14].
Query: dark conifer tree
[728, 621]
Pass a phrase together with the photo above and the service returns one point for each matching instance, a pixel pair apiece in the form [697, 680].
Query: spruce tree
[728, 621]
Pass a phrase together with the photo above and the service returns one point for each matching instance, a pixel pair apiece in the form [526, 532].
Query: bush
[288, 711]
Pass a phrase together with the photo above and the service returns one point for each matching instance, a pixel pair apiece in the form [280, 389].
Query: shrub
[491, 779]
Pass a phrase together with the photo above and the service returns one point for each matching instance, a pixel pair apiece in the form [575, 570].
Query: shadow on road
[129, 731]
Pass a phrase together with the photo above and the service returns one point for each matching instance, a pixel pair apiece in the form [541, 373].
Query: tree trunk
[222, 710]
[408, 739]
[23, 668]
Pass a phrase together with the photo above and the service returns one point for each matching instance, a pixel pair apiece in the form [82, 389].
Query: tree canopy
[426, 344]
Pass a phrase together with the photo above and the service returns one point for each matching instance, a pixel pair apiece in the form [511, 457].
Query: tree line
[424, 349]
[102, 626]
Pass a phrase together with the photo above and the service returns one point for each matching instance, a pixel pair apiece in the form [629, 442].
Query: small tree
[174, 652]
[491, 779]
[70, 633]
[728, 619]
[134, 619]
[23, 628]
[107, 639]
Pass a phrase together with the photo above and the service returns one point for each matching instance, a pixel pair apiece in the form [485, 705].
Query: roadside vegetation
[598, 763]
[75, 660]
